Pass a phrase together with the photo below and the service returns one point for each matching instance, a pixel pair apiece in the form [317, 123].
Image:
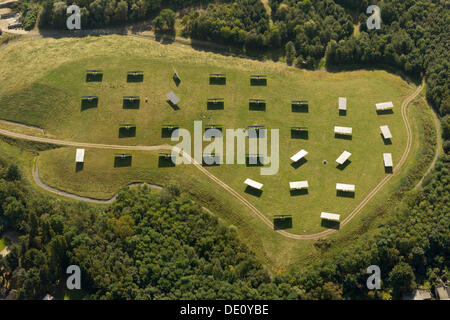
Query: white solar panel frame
[79, 155]
[296, 185]
[345, 187]
[296, 157]
[173, 98]
[253, 184]
[343, 130]
[384, 105]
[386, 132]
[343, 157]
[342, 103]
[387, 158]
[330, 216]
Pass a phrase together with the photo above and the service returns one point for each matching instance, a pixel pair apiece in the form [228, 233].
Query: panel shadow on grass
[254, 161]
[165, 162]
[296, 134]
[299, 163]
[386, 141]
[94, 77]
[258, 82]
[127, 132]
[252, 191]
[301, 108]
[167, 132]
[219, 105]
[342, 113]
[79, 166]
[176, 80]
[345, 194]
[135, 78]
[388, 170]
[89, 104]
[131, 104]
[330, 224]
[299, 192]
[344, 165]
[253, 106]
[282, 223]
[343, 136]
[120, 162]
[383, 112]
[217, 81]
[172, 105]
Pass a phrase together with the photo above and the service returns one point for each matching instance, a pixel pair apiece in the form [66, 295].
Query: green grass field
[47, 78]
[52, 102]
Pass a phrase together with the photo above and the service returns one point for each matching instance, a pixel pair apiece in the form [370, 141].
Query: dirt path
[46, 187]
[235, 194]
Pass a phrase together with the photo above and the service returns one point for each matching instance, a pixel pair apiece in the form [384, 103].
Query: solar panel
[173, 98]
[296, 157]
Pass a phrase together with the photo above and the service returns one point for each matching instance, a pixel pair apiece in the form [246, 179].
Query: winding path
[235, 194]
[59, 192]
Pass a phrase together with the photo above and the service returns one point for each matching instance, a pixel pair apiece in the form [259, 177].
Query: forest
[150, 245]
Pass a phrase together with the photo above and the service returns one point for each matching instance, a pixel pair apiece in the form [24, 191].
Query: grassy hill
[47, 77]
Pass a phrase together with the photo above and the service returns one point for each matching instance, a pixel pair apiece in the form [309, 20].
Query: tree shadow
[90, 77]
[79, 166]
[167, 132]
[215, 105]
[282, 223]
[89, 104]
[165, 37]
[299, 163]
[344, 165]
[300, 108]
[299, 192]
[345, 194]
[254, 106]
[336, 69]
[172, 105]
[165, 162]
[258, 82]
[254, 192]
[296, 134]
[343, 136]
[127, 132]
[131, 104]
[120, 162]
[330, 224]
